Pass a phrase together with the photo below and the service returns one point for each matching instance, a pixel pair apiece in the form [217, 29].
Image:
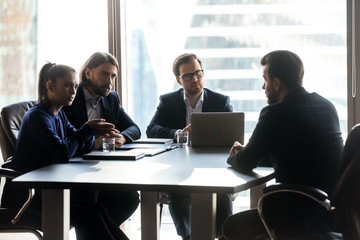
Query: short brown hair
[286, 66]
[184, 58]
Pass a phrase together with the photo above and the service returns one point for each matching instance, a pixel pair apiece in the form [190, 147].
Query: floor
[133, 229]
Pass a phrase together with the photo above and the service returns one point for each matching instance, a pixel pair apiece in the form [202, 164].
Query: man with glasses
[172, 115]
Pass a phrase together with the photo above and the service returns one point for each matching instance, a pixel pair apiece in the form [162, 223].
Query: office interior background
[230, 36]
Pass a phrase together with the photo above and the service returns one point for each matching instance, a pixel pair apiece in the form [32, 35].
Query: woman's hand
[102, 128]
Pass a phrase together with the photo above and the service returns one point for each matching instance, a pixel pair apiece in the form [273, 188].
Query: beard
[271, 100]
[271, 95]
[102, 91]
[194, 90]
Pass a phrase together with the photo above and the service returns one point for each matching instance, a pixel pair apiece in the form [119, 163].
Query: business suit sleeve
[115, 113]
[127, 126]
[216, 102]
[228, 106]
[159, 127]
[258, 146]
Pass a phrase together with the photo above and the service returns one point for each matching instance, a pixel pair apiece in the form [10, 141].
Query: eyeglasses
[188, 77]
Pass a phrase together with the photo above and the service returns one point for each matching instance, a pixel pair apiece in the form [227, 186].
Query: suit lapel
[80, 105]
[181, 113]
[206, 103]
[105, 109]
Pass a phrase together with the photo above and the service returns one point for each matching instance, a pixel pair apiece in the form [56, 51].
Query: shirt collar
[89, 98]
[200, 99]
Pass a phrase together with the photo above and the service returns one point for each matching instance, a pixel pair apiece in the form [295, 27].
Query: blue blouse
[45, 138]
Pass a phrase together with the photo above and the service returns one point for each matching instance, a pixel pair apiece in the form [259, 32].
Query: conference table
[202, 172]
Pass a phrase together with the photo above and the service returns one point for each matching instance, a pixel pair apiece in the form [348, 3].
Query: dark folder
[133, 154]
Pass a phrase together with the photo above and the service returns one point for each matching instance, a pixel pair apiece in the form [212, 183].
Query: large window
[70, 31]
[231, 36]
[18, 46]
[33, 32]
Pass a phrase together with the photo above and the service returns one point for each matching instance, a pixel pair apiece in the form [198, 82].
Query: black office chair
[344, 207]
[12, 220]
[10, 120]
[306, 200]
[346, 197]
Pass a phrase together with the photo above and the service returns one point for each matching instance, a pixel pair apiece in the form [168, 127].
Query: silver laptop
[217, 129]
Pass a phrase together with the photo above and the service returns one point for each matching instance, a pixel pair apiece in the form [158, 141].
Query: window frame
[353, 64]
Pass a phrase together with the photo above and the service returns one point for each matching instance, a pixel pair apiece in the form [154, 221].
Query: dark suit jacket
[170, 114]
[112, 112]
[301, 136]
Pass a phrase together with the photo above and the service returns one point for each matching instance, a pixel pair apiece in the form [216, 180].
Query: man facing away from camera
[299, 133]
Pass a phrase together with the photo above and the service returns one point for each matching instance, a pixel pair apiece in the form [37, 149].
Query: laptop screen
[217, 129]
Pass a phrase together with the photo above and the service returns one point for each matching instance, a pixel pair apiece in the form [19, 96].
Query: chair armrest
[7, 163]
[7, 172]
[11, 174]
[311, 192]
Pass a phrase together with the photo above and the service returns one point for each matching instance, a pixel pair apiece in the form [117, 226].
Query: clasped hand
[103, 129]
[237, 147]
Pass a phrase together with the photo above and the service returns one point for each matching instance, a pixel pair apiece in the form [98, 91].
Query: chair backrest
[285, 211]
[346, 197]
[10, 120]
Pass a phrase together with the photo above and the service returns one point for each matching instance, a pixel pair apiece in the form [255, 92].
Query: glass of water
[108, 144]
[182, 138]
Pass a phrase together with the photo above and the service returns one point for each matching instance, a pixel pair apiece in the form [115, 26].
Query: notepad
[133, 154]
[155, 140]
